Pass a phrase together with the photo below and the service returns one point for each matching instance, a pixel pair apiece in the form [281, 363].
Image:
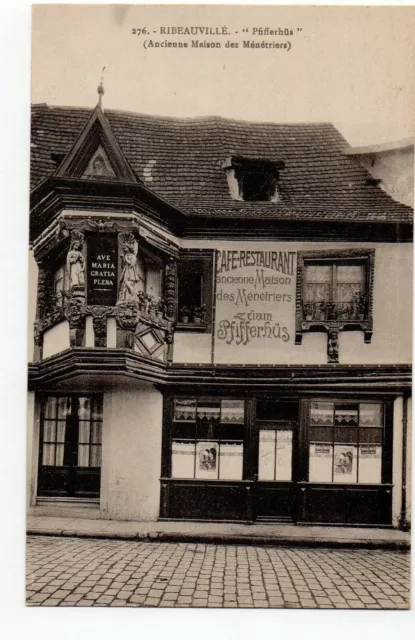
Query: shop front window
[345, 442]
[207, 439]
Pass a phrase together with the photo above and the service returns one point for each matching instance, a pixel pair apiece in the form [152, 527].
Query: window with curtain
[335, 290]
[345, 442]
[207, 439]
[71, 431]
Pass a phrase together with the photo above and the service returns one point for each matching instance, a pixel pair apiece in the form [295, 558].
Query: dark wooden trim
[96, 132]
[54, 194]
[250, 441]
[387, 448]
[332, 379]
[166, 437]
[403, 518]
[296, 229]
[207, 258]
[302, 466]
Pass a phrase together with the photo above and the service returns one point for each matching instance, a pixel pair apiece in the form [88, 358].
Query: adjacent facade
[222, 324]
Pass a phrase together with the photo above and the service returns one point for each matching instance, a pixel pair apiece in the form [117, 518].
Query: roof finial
[100, 89]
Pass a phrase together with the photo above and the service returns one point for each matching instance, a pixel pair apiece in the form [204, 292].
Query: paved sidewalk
[209, 532]
[63, 571]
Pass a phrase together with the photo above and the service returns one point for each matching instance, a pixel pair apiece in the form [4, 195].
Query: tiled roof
[184, 158]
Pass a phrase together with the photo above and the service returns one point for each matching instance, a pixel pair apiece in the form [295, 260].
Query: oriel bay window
[346, 442]
[70, 446]
[207, 439]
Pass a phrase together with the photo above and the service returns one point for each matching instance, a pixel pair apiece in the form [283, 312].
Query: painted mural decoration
[255, 302]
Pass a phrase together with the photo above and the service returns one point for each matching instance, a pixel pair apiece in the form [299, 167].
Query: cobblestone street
[88, 572]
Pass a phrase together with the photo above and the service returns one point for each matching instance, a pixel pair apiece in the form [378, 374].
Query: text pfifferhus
[254, 292]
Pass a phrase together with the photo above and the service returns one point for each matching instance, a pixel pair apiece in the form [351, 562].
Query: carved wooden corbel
[333, 345]
[127, 320]
[170, 288]
[75, 314]
[100, 331]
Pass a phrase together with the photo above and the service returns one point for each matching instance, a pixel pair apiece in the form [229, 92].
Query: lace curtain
[319, 283]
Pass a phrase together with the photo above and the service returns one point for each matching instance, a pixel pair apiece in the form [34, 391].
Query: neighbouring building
[391, 164]
[222, 323]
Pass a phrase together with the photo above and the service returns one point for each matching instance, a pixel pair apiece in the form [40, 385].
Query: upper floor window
[335, 290]
[194, 291]
[335, 293]
[253, 180]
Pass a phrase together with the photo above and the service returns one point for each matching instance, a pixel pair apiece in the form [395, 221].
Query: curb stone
[233, 539]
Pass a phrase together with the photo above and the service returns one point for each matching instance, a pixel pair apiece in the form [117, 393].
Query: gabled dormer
[253, 180]
[96, 155]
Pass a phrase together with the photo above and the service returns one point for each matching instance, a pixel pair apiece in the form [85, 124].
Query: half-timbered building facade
[221, 318]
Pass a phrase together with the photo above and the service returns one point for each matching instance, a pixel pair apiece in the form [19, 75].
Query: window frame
[205, 258]
[68, 476]
[169, 438]
[338, 257]
[386, 441]
[238, 168]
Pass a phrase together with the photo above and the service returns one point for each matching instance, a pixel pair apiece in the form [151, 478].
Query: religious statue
[75, 265]
[132, 279]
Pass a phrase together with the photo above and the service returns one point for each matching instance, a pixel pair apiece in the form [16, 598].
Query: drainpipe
[403, 521]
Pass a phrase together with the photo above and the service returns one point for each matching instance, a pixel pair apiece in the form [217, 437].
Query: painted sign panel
[102, 259]
[255, 304]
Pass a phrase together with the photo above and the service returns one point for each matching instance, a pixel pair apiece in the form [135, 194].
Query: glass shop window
[345, 442]
[207, 439]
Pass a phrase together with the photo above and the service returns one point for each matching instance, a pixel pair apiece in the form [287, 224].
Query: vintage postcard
[220, 312]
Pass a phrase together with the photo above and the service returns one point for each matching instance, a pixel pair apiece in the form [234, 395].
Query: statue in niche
[75, 265]
[133, 279]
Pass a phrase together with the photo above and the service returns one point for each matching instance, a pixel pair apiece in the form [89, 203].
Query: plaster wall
[392, 312]
[131, 464]
[396, 170]
[56, 339]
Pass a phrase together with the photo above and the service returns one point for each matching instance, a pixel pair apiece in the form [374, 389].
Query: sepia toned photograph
[220, 307]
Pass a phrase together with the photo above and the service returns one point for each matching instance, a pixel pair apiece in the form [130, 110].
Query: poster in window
[345, 467]
[207, 460]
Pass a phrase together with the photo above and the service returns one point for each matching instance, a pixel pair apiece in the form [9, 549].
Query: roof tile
[318, 182]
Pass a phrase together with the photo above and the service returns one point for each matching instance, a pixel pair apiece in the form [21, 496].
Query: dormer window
[253, 180]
